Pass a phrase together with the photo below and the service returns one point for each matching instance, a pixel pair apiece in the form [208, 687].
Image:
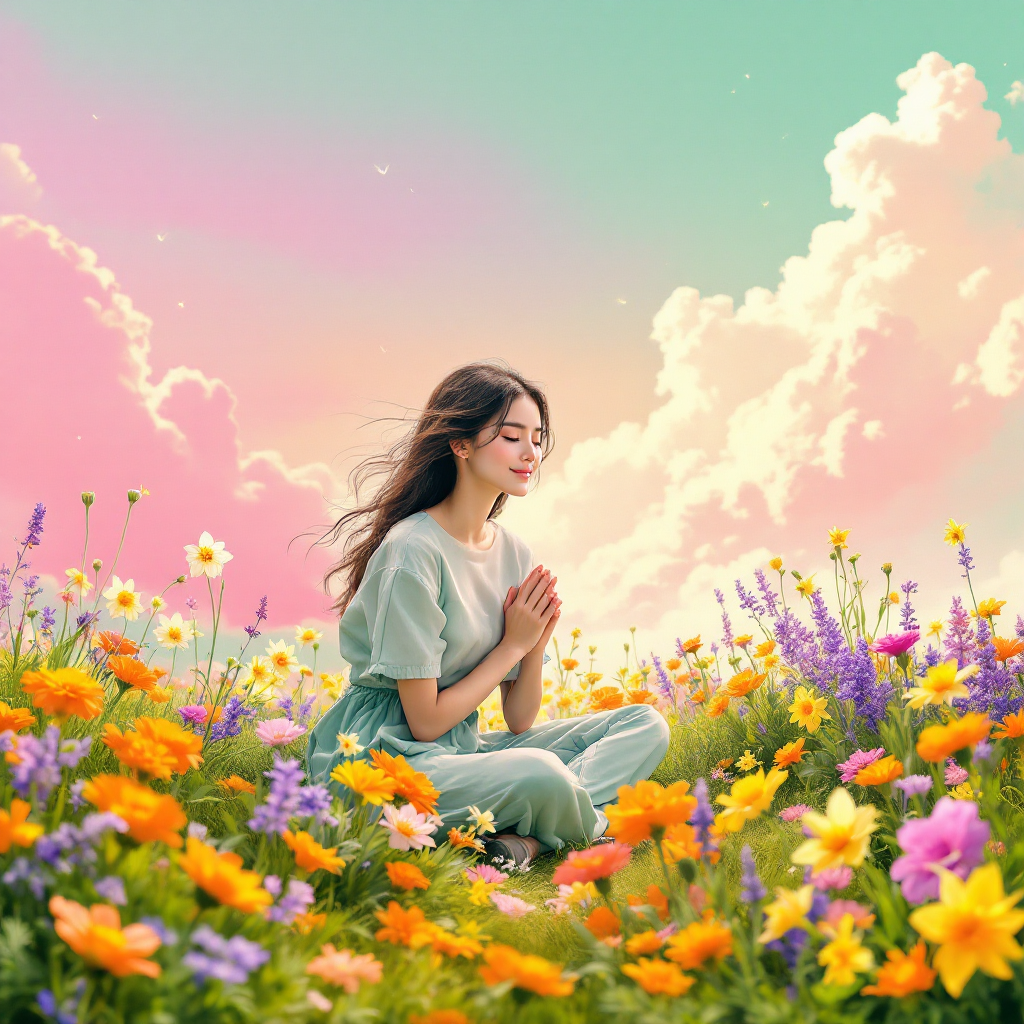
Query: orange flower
[680, 842]
[404, 927]
[647, 806]
[14, 828]
[937, 742]
[791, 753]
[641, 696]
[903, 975]
[525, 971]
[595, 862]
[151, 817]
[673, 664]
[310, 855]
[238, 784]
[415, 786]
[697, 696]
[344, 968]
[606, 698]
[655, 898]
[307, 923]
[718, 704]
[1007, 647]
[222, 876]
[406, 876]
[699, 942]
[461, 840]
[440, 1017]
[879, 772]
[113, 642]
[602, 923]
[157, 747]
[744, 682]
[762, 650]
[449, 944]
[693, 645]
[133, 672]
[160, 694]
[644, 942]
[656, 977]
[97, 937]
[64, 691]
[1012, 727]
[15, 719]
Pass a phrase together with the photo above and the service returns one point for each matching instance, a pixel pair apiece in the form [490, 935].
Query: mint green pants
[550, 782]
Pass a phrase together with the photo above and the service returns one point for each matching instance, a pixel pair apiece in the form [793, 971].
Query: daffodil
[348, 744]
[306, 635]
[788, 911]
[122, 600]
[942, 684]
[173, 632]
[844, 957]
[207, 558]
[808, 709]
[837, 537]
[484, 820]
[749, 797]
[259, 674]
[839, 836]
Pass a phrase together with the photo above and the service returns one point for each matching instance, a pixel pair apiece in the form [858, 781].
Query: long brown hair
[419, 470]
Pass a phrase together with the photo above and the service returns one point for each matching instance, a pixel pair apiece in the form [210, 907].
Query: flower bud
[97, 564]
[31, 613]
[887, 568]
[832, 555]
[180, 579]
[133, 496]
[88, 497]
[316, 646]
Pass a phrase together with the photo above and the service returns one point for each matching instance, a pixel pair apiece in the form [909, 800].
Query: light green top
[429, 606]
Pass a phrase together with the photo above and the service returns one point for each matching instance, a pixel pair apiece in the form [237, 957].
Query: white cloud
[17, 180]
[1016, 93]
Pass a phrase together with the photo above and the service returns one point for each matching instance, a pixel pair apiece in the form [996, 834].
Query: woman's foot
[512, 848]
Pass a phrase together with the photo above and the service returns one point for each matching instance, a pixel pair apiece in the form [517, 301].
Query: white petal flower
[207, 557]
[173, 631]
[409, 829]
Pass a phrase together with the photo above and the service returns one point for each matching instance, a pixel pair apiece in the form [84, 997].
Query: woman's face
[509, 459]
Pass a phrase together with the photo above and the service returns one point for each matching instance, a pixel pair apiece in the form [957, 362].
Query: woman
[441, 604]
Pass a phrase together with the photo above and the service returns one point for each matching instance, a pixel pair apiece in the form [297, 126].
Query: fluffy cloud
[885, 357]
[83, 411]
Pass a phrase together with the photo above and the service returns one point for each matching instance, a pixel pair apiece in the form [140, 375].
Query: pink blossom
[511, 905]
[278, 732]
[409, 829]
[858, 759]
[670, 929]
[833, 878]
[492, 876]
[794, 813]
[896, 644]
[954, 773]
[837, 909]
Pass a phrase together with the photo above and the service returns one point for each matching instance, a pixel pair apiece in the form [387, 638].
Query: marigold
[879, 772]
[404, 927]
[989, 608]
[602, 923]
[762, 650]
[655, 898]
[237, 784]
[791, 753]
[606, 698]
[974, 925]
[644, 942]
[15, 828]
[718, 704]
[371, 784]
[789, 910]
[61, 692]
[680, 842]
[406, 876]
[641, 696]
[112, 642]
[440, 1017]
[593, 863]
[839, 836]
[1007, 647]
[697, 697]
[648, 806]
[902, 975]
[310, 855]
[698, 943]
[463, 840]
[749, 797]
[744, 682]
[15, 719]
[160, 694]
[222, 876]
[446, 943]
[156, 746]
[96, 935]
[657, 977]
[415, 786]
[808, 709]
[151, 816]
[525, 971]
[693, 645]
[307, 922]
[133, 672]
[938, 742]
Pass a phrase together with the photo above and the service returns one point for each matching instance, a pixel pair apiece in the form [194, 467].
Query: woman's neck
[464, 513]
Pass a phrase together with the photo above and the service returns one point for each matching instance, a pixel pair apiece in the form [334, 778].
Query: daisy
[172, 632]
[307, 635]
[348, 743]
[484, 819]
[278, 732]
[409, 829]
[259, 674]
[122, 600]
[207, 557]
[283, 658]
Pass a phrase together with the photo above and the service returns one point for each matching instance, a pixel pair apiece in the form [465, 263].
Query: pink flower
[833, 878]
[492, 876]
[511, 905]
[954, 773]
[794, 813]
[409, 829]
[278, 732]
[858, 759]
[342, 967]
[670, 929]
[896, 644]
[862, 916]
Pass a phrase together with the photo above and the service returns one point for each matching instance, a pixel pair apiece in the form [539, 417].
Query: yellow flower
[806, 587]
[844, 957]
[656, 977]
[841, 835]
[569, 664]
[222, 876]
[76, 579]
[747, 763]
[776, 563]
[370, 783]
[989, 607]
[306, 635]
[173, 632]
[965, 791]
[894, 598]
[259, 674]
[935, 627]
[956, 533]
[743, 639]
[974, 926]
[878, 773]
[837, 537]
[122, 600]
[484, 820]
[749, 797]
[789, 910]
[282, 657]
[348, 744]
[808, 709]
[206, 558]
[480, 892]
[942, 684]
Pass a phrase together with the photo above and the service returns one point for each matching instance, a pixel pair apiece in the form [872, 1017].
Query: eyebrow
[521, 426]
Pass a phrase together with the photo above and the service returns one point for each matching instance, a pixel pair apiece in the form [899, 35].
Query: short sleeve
[405, 633]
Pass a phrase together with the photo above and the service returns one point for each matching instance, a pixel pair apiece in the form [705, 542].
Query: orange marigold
[446, 943]
[310, 855]
[680, 842]
[112, 642]
[440, 1017]
[878, 773]
[641, 696]
[648, 806]
[602, 923]
[133, 672]
[937, 742]
[222, 876]
[307, 922]
[657, 977]
[61, 692]
[1011, 727]
[699, 942]
[718, 704]
[655, 898]
[15, 828]
[415, 786]
[15, 719]
[791, 753]
[902, 975]
[97, 937]
[407, 876]
[644, 942]
[462, 840]
[693, 645]
[606, 698]
[697, 697]
[157, 746]
[595, 862]
[744, 682]
[238, 784]
[1007, 647]
[404, 927]
[525, 971]
[151, 816]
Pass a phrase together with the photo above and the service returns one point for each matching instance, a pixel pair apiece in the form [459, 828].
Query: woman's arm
[431, 712]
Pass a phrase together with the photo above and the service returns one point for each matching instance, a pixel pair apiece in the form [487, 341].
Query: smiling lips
[527, 473]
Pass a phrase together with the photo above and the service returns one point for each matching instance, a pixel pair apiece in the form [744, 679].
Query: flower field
[835, 834]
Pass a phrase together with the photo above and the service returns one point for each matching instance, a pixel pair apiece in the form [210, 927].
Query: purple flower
[297, 900]
[191, 603]
[229, 960]
[23, 870]
[953, 837]
[914, 785]
[858, 681]
[895, 644]
[907, 620]
[315, 802]
[69, 846]
[282, 803]
[703, 817]
[86, 619]
[193, 713]
[197, 830]
[41, 758]
[111, 888]
[165, 934]
[663, 681]
[857, 760]
[230, 723]
[6, 597]
[954, 773]
[65, 1012]
[965, 560]
[959, 642]
[983, 750]
[767, 594]
[46, 623]
[34, 530]
[832, 878]
[748, 601]
[753, 889]
[727, 637]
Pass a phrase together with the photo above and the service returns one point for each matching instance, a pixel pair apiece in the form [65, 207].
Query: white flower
[77, 580]
[484, 819]
[348, 743]
[307, 635]
[173, 632]
[207, 557]
[283, 658]
[156, 602]
[122, 600]
[409, 829]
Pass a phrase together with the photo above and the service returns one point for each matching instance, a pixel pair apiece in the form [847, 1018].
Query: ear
[460, 448]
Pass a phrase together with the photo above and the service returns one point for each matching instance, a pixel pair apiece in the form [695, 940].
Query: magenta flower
[278, 732]
[857, 760]
[833, 878]
[794, 813]
[953, 837]
[954, 773]
[194, 713]
[896, 644]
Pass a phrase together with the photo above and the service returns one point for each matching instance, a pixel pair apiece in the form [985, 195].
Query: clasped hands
[531, 612]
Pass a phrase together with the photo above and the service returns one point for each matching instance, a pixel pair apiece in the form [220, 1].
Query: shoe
[511, 850]
[602, 839]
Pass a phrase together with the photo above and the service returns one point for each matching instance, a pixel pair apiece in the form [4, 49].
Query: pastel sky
[767, 260]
